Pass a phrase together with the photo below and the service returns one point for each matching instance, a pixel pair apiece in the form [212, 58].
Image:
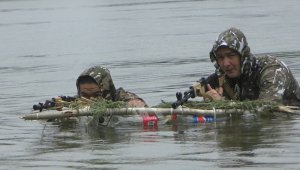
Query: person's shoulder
[267, 60]
[121, 90]
[124, 95]
[270, 66]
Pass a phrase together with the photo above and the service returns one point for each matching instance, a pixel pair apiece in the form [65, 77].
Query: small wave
[168, 62]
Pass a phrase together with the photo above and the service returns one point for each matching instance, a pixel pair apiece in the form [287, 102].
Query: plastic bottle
[200, 119]
[152, 120]
[149, 120]
[142, 119]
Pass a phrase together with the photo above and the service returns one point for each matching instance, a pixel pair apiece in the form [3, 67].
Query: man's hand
[215, 94]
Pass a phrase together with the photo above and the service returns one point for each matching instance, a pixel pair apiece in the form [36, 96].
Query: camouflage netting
[99, 107]
[227, 104]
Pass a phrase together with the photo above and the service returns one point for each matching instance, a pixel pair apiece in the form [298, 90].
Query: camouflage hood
[103, 78]
[234, 39]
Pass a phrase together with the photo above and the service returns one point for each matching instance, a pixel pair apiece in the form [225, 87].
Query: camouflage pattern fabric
[122, 95]
[271, 79]
[234, 39]
[102, 77]
[276, 81]
[262, 77]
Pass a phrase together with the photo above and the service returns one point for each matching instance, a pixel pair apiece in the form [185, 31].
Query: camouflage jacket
[103, 78]
[262, 77]
[269, 79]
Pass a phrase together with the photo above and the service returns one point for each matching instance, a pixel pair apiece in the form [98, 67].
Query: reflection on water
[226, 144]
[252, 142]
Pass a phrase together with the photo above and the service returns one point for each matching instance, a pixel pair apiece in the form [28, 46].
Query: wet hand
[215, 94]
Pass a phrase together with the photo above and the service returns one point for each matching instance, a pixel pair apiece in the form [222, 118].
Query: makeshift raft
[161, 114]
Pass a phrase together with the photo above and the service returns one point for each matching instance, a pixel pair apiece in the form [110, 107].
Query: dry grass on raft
[256, 106]
[227, 104]
[99, 108]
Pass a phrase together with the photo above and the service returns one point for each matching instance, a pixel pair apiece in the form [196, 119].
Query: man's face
[90, 90]
[229, 61]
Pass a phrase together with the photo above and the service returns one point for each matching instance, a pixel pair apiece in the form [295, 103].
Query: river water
[153, 48]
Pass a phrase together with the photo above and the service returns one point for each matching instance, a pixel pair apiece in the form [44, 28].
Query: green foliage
[163, 104]
[227, 104]
[98, 108]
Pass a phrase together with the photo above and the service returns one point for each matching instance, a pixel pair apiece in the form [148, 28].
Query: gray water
[153, 48]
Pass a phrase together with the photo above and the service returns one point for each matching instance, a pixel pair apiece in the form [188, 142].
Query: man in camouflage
[244, 76]
[96, 82]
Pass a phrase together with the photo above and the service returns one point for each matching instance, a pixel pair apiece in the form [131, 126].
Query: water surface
[153, 48]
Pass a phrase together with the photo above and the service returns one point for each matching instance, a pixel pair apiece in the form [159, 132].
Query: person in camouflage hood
[244, 76]
[96, 82]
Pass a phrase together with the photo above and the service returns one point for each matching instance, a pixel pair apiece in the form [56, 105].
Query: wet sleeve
[122, 95]
[274, 79]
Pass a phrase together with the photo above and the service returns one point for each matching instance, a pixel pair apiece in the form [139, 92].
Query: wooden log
[66, 113]
[54, 114]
